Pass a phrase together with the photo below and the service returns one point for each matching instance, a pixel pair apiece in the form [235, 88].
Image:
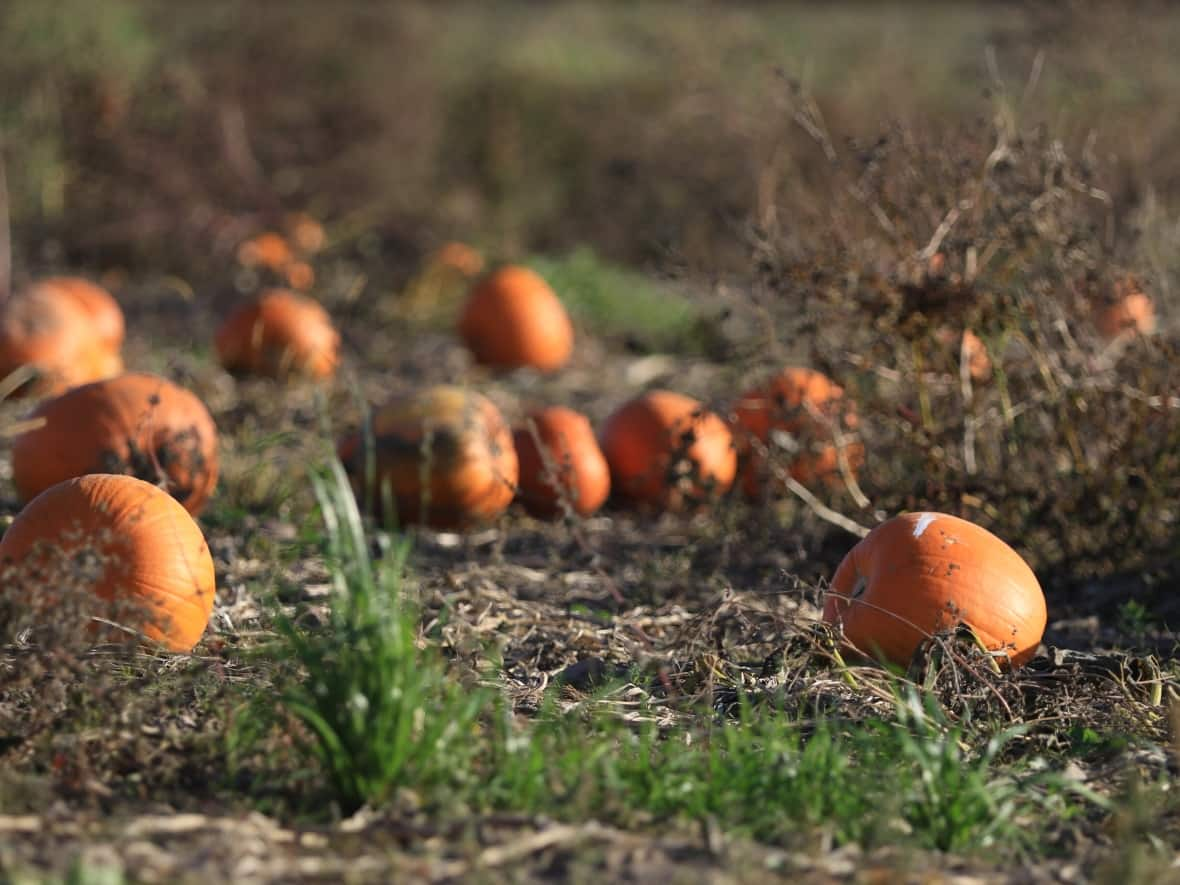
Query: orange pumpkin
[135, 424]
[104, 363]
[667, 450]
[55, 335]
[444, 455]
[125, 542]
[268, 250]
[279, 334]
[923, 573]
[797, 409]
[106, 317]
[512, 318]
[1130, 312]
[458, 257]
[299, 275]
[970, 347]
[305, 232]
[560, 464]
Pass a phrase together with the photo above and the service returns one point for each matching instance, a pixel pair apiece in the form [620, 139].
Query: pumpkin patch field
[591, 442]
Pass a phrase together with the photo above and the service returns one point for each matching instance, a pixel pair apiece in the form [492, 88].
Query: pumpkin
[974, 351]
[299, 275]
[104, 363]
[923, 573]
[56, 336]
[124, 541]
[512, 318]
[269, 250]
[969, 347]
[304, 232]
[1130, 312]
[560, 464]
[797, 410]
[666, 450]
[279, 334]
[134, 424]
[444, 455]
[458, 257]
[106, 317]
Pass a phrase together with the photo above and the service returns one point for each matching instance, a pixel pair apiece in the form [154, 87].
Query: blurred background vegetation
[747, 182]
[152, 134]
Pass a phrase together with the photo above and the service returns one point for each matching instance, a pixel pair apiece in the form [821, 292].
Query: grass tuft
[380, 712]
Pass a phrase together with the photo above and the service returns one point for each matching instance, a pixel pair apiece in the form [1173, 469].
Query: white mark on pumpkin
[924, 523]
[859, 588]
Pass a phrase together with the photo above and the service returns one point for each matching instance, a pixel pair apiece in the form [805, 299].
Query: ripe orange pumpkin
[922, 573]
[55, 335]
[1130, 312]
[106, 317]
[277, 335]
[445, 456]
[305, 232]
[134, 424]
[458, 257]
[299, 275]
[802, 405]
[667, 450]
[512, 318]
[567, 468]
[269, 250]
[971, 346]
[979, 362]
[123, 540]
[104, 363]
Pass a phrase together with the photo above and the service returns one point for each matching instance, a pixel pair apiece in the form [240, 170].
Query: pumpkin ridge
[177, 596]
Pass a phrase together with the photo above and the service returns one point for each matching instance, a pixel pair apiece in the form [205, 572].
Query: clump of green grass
[1134, 619]
[613, 301]
[380, 713]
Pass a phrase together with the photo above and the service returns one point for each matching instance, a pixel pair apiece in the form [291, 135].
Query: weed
[958, 798]
[380, 712]
[1134, 618]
